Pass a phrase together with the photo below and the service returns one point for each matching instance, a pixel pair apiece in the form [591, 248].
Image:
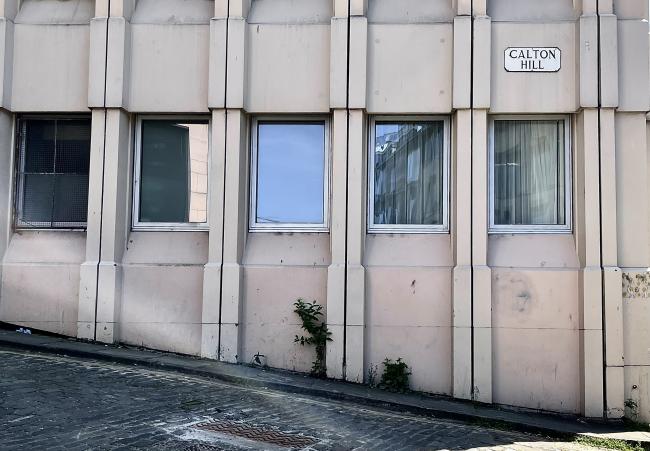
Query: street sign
[532, 59]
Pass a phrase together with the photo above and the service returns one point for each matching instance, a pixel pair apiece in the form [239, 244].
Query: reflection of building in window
[198, 210]
[173, 172]
[408, 173]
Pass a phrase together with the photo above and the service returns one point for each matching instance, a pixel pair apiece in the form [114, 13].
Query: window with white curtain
[408, 175]
[530, 185]
[289, 174]
[52, 172]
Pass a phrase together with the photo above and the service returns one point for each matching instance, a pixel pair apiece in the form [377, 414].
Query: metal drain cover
[256, 433]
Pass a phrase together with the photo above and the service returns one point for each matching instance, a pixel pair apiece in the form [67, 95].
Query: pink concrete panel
[395, 249]
[403, 296]
[167, 248]
[311, 249]
[161, 307]
[536, 368]
[426, 350]
[268, 321]
[636, 333]
[44, 297]
[408, 315]
[530, 299]
[532, 251]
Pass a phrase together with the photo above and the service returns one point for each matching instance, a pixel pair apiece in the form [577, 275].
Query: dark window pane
[37, 199]
[53, 172]
[174, 171]
[72, 147]
[409, 173]
[290, 173]
[70, 198]
[39, 146]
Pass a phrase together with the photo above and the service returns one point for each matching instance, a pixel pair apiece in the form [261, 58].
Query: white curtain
[408, 173]
[529, 172]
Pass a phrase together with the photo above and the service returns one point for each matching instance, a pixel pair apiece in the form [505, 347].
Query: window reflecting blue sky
[290, 172]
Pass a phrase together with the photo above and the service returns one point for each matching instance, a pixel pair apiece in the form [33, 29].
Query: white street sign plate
[532, 59]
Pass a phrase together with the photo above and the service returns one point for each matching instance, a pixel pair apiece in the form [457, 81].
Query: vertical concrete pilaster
[115, 220]
[482, 275]
[462, 273]
[109, 177]
[235, 203]
[212, 270]
[235, 230]
[587, 225]
[88, 271]
[356, 292]
[336, 271]
[336, 274]
[612, 276]
[461, 205]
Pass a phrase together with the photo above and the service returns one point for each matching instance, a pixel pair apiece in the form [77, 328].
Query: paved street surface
[53, 402]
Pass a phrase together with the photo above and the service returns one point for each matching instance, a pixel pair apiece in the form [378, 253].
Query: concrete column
[355, 307]
[88, 270]
[115, 223]
[481, 306]
[587, 226]
[612, 298]
[212, 271]
[461, 206]
[335, 357]
[612, 277]
[481, 277]
[109, 180]
[108, 220]
[462, 275]
[338, 224]
[235, 230]
[7, 146]
[8, 9]
[211, 309]
[235, 204]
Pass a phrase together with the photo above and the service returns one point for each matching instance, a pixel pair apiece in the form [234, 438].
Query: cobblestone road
[54, 402]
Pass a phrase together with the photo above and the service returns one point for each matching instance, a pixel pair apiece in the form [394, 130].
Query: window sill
[531, 231]
[170, 228]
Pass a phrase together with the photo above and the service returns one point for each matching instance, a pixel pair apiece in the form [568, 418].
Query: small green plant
[318, 335]
[395, 376]
[633, 407]
[607, 443]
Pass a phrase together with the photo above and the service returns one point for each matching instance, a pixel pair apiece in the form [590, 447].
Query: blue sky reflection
[290, 173]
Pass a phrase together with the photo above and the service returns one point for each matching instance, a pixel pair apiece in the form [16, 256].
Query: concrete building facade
[460, 183]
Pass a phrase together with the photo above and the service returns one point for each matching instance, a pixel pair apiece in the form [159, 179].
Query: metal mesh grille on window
[52, 182]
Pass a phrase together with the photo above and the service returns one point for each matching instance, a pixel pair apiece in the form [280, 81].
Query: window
[408, 175]
[171, 174]
[52, 172]
[289, 175]
[530, 167]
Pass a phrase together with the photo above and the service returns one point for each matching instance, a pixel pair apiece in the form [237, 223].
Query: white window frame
[253, 225]
[408, 228]
[568, 190]
[137, 161]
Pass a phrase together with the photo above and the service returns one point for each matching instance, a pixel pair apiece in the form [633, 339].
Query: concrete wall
[543, 321]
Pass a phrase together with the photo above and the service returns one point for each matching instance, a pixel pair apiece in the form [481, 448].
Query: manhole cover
[202, 447]
[257, 433]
